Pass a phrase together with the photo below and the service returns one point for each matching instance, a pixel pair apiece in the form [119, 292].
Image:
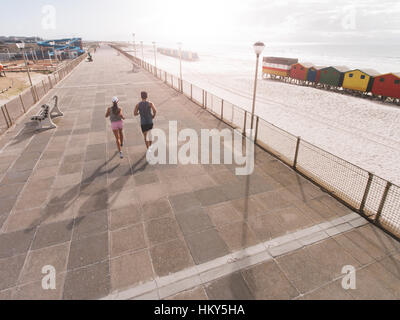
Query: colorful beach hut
[314, 74]
[387, 85]
[359, 80]
[332, 76]
[277, 66]
[299, 70]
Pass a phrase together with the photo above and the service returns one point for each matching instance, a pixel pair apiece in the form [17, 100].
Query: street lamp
[21, 46]
[180, 64]
[155, 54]
[258, 49]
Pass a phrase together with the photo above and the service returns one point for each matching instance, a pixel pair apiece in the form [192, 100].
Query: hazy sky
[206, 20]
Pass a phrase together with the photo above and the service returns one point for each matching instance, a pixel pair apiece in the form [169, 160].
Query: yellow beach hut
[360, 80]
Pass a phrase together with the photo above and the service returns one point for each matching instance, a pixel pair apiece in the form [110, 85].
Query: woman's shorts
[117, 125]
[146, 127]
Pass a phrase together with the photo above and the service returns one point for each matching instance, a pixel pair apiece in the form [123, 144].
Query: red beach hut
[387, 85]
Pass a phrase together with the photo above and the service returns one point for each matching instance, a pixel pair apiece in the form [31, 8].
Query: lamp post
[258, 49]
[134, 43]
[180, 65]
[21, 46]
[155, 55]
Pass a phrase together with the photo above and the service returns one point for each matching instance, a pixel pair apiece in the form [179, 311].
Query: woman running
[116, 117]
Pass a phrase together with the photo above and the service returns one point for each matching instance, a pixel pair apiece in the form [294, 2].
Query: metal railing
[373, 197]
[21, 104]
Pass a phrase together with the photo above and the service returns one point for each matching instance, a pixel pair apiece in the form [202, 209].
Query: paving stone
[231, 287]
[7, 204]
[90, 224]
[21, 220]
[210, 196]
[10, 190]
[157, 209]
[67, 180]
[267, 282]
[10, 269]
[70, 168]
[122, 275]
[162, 230]
[176, 185]
[193, 220]
[52, 234]
[237, 235]
[127, 239]
[200, 182]
[206, 245]
[124, 217]
[29, 199]
[55, 256]
[248, 207]
[184, 202]
[170, 257]
[88, 251]
[222, 214]
[15, 243]
[91, 203]
[145, 178]
[92, 282]
[273, 200]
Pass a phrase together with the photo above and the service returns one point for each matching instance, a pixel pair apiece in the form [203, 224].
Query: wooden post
[33, 95]
[44, 87]
[51, 85]
[222, 109]
[22, 103]
[296, 154]
[383, 200]
[366, 192]
[191, 92]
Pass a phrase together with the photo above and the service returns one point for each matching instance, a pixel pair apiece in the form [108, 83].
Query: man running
[147, 113]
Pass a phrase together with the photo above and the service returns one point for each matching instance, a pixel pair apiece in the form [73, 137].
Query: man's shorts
[117, 125]
[146, 127]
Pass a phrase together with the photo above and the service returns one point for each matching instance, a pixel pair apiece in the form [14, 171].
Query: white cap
[115, 99]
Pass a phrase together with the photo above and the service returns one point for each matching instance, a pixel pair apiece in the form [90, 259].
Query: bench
[45, 115]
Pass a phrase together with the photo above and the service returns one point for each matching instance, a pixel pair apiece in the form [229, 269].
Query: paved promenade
[123, 229]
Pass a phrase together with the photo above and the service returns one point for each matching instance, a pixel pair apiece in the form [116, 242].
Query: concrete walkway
[123, 229]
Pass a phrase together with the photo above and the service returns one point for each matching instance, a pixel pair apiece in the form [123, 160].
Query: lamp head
[258, 47]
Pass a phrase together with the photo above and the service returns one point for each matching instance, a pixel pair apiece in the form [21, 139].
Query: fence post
[222, 109]
[191, 92]
[44, 87]
[296, 154]
[244, 123]
[165, 76]
[172, 81]
[202, 103]
[33, 95]
[22, 103]
[383, 200]
[5, 118]
[8, 115]
[366, 192]
[256, 133]
[51, 85]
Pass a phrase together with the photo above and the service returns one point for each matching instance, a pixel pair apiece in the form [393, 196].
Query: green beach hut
[333, 76]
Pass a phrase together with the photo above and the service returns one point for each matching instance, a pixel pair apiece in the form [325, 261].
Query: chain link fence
[373, 197]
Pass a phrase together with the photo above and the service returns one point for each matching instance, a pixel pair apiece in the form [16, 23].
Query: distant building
[277, 66]
[299, 70]
[332, 76]
[359, 80]
[387, 85]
